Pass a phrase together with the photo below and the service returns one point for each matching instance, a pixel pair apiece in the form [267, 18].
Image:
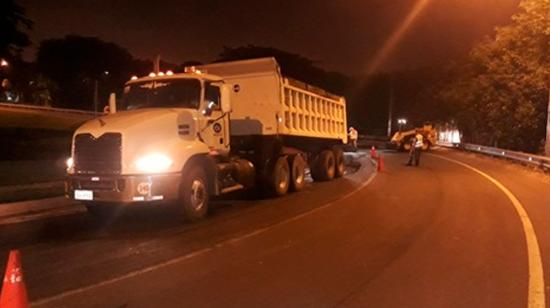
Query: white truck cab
[184, 137]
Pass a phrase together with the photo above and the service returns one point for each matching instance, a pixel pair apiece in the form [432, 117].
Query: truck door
[216, 132]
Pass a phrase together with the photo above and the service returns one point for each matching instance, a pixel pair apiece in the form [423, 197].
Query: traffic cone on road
[373, 152]
[14, 293]
[380, 164]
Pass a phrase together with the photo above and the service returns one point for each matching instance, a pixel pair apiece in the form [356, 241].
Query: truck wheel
[340, 167]
[297, 172]
[323, 166]
[194, 194]
[278, 181]
[101, 210]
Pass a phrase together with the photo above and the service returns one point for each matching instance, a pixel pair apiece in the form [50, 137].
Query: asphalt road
[440, 235]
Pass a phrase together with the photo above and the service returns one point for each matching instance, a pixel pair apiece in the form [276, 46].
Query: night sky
[341, 35]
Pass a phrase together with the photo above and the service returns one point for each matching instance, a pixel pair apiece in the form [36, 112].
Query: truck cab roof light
[134, 78]
[160, 74]
[152, 74]
[194, 69]
[169, 73]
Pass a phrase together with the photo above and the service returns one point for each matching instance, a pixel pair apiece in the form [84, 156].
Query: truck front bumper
[123, 188]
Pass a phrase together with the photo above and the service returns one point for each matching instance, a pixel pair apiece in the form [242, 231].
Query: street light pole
[390, 108]
[96, 89]
[547, 141]
[96, 95]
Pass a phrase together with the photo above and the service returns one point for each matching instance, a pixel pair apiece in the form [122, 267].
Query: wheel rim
[331, 166]
[341, 167]
[299, 179]
[198, 195]
[282, 179]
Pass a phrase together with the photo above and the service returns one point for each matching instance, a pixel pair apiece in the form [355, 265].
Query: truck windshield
[180, 93]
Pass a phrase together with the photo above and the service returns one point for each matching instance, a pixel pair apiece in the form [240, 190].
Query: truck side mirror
[226, 98]
[112, 103]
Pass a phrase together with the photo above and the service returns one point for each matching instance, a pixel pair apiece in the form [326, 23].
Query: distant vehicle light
[153, 163]
[169, 73]
[70, 162]
[152, 74]
[134, 78]
[4, 63]
[160, 74]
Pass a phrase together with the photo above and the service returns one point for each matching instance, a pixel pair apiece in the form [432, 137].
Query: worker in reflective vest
[417, 142]
[353, 136]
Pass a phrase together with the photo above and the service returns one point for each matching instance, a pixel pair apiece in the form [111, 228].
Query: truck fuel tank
[241, 171]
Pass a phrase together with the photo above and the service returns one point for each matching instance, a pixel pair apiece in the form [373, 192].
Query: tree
[77, 64]
[292, 65]
[13, 24]
[41, 90]
[501, 95]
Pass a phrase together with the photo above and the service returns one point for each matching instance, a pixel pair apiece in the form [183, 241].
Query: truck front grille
[98, 155]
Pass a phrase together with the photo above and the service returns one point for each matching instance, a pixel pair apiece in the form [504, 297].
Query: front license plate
[83, 195]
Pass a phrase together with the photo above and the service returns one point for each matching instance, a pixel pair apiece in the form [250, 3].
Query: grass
[33, 179]
[31, 171]
[21, 193]
[10, 117]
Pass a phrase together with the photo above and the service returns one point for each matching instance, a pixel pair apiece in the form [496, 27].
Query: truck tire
[193, 195]
[324, 166]
[297, 172]
[278, 179]
[101, 210]
[340, 166]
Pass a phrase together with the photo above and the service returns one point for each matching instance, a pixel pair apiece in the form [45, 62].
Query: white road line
[197, 253]
[536, 295]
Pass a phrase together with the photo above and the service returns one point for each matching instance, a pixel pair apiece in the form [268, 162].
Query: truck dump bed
[266, 103]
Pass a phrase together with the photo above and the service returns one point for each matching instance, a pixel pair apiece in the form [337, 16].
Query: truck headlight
[153, 163]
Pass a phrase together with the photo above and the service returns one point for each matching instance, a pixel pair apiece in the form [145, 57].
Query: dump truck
[213, 129]
[401, 140]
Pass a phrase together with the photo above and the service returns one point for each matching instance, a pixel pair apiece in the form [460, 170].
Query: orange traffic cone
[373, 152]
[380, 164]
[14, 293]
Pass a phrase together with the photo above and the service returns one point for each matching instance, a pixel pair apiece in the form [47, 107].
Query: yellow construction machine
[401, 140]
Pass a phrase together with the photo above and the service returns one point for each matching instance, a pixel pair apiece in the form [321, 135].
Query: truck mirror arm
[213, 121]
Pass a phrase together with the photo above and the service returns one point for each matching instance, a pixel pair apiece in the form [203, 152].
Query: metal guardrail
[45, 109]
[538, 161]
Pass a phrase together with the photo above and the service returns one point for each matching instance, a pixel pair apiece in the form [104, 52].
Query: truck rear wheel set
[328, 164]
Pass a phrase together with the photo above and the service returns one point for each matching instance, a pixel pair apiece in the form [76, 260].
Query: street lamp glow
[402, 121]
[4, 63]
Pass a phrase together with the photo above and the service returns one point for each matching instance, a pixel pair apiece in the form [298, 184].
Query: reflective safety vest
[353, 134]
[419, 141]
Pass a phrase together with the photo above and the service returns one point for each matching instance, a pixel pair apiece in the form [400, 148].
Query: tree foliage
[76, 63]
[13, 24]
[292, 65]
[500, 94]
